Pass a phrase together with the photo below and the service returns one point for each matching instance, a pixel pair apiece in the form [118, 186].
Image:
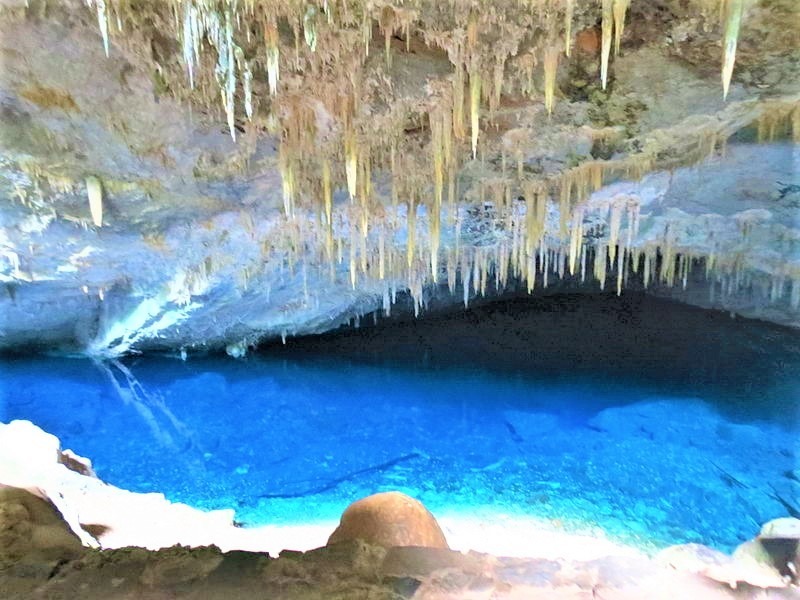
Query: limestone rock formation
[389, 519]
[777, 547]
[187, 174]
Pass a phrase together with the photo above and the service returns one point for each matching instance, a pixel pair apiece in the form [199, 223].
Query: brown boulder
[389, 519]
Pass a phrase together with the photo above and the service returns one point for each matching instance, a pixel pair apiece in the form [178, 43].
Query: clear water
[652, 454]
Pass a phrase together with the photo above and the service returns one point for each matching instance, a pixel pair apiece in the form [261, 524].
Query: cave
[400, 298]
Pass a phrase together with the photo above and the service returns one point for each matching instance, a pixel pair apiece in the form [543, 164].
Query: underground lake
[684, 426]
[400, 299]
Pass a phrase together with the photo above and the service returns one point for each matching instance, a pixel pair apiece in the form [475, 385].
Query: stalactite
[620, 9]
[613, 229]
[497, 83]
[465, 280]
[366, 31]
[458, 102]
[451, 272]
[94, 190]
[732, 11]
[515, 239]
[583, 263]
[287, 179]
[607, 29]
[387, 25]
[438, 122]
[551, 54]
[310, 27]
[102, 21]
[475, 99]
[794, 294]
[190, 39]
[575, 241]
[273, 57]
[569, 9]
[351, 162]
[600, 265]
[411, 231]
[327, 192]
[352, 264]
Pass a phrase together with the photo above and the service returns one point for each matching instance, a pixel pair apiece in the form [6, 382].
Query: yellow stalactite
[620, 9]
[550, 68]
[411, 231]
[437, 150]
[569, 9]
[387, 24]
[394, 172]
[366, 31]
[447, 135]
[351, 163]
[472, 31]
[381, 255]
[458, 103]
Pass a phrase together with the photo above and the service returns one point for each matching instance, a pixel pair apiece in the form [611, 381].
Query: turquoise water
[655, 448]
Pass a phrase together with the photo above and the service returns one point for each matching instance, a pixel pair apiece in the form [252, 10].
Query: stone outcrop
[389, 519]
[41, 558]
[776, 548]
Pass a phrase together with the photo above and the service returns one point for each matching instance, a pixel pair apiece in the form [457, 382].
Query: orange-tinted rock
[389, 519]
[588, 41]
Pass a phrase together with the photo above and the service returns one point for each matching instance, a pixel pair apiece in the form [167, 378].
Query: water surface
[692, 439]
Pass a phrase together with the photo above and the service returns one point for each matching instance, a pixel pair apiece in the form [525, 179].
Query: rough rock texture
[130, 218]
[102, 515]
[777, 546]
[389, 519]
[40, 558]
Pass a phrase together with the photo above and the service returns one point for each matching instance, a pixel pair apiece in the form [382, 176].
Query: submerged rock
[389, 519]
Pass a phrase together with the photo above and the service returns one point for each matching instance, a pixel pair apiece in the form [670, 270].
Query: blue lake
[695, 438]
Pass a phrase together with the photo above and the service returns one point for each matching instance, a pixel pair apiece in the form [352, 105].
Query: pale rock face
[130, 219]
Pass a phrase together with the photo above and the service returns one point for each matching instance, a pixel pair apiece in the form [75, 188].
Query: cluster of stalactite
[415, 213]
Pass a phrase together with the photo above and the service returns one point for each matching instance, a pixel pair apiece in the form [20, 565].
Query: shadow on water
[639, 415]
[749, 370]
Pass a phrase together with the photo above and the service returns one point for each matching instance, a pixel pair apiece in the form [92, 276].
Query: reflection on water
[641, 419]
